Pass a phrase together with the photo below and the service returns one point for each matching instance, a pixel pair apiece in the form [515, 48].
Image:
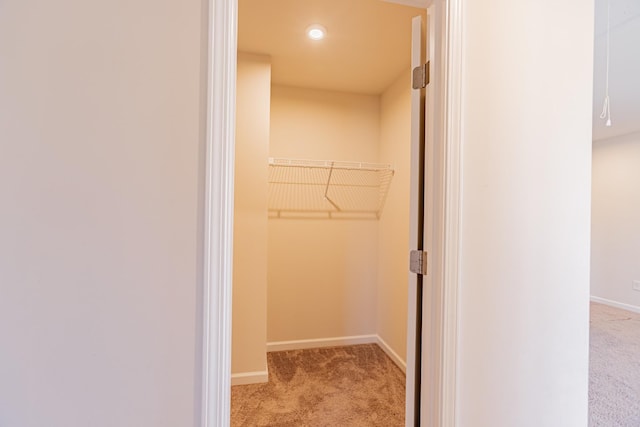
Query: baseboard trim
[245, 378]
[338, 342]
[321, 342]
[392, 354]
[616, 304]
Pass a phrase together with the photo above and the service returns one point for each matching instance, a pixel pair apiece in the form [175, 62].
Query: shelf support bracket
[326, 189]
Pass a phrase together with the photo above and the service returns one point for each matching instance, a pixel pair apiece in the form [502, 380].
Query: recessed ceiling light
[316, 32]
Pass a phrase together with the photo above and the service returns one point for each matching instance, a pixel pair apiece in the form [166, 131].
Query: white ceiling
[368, 45]
[624, 68]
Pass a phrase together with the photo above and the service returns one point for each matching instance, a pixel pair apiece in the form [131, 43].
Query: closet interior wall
[312, 279]
[249, 360]
[393, 226]
[322, 272]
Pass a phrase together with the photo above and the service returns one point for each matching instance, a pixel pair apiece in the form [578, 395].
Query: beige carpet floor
[614, 368]
[361, 386]
[341, 386]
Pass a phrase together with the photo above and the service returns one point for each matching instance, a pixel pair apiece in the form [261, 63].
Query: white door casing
[441, 211]
[218, 215]
[432, 285]
[443, 224]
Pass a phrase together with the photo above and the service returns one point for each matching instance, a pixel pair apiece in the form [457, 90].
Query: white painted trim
[321, 342]
[443, 201]
[452, 33]
[442, 225]
[392, 354]
[338, 342]
[218, 215]
[244, 378]
[616, 304]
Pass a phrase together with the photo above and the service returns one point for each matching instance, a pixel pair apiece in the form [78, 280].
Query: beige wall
[526, 159]
[250, 216]
[324, 125]
[100, 134]
[615, 229]
[393, 227]
[322, 273]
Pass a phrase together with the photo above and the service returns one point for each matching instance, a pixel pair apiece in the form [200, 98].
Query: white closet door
[424, 332]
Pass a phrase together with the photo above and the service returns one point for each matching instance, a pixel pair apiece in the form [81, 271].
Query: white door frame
[442, 212]
[218, 214]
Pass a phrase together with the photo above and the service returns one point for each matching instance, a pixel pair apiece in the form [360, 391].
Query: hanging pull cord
[606, 111]
[606, 107]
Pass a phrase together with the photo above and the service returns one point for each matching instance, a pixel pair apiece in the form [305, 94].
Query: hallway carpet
[614, 371]
[340, 386]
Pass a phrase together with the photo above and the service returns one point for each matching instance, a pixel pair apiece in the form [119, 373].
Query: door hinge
[421, 76]
[418, 262]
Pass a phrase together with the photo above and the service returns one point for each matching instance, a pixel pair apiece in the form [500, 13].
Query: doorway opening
[219, 212]
[322, 180]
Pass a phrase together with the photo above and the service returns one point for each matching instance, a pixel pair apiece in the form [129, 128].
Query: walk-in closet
[321, 179]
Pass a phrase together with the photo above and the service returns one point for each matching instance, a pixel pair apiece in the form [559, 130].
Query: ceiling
[624, 68]
[368, 43]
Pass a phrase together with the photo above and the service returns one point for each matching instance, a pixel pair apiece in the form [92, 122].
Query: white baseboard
[245, 378]
[321, 342]
[616, 304]
[392, 354]
[338, 342]
[258, 377]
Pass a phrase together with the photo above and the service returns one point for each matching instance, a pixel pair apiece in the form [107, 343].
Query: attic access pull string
[606, 108]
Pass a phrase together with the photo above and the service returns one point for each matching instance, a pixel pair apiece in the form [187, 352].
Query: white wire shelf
[327, 188]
